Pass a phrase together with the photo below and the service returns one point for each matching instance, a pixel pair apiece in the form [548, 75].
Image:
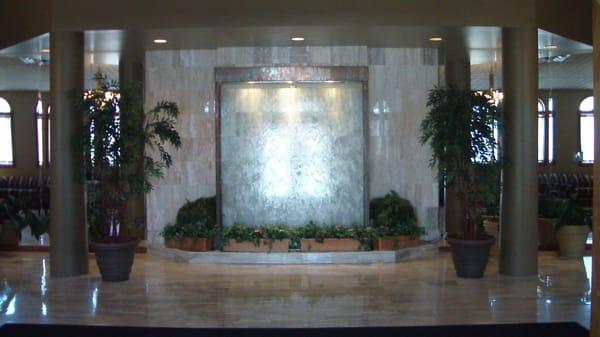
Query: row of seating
[34, 192]
[30, 192]
[563, 185]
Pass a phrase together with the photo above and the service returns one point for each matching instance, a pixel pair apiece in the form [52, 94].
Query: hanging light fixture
[494, 95]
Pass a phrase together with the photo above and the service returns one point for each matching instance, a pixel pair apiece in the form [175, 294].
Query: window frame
[545, 114]
[585, 114]
[11, 116]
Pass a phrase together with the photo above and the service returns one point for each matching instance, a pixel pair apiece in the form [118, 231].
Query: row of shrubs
[390, 215]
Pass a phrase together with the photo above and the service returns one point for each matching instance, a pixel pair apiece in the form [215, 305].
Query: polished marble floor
[165, 293]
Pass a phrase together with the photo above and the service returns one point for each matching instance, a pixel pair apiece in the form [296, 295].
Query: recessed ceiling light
[435, 39]
[551, 46]
[45, 50]
[298, 38]
[160, 41]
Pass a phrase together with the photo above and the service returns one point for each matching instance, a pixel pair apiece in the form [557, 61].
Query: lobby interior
[289, 115]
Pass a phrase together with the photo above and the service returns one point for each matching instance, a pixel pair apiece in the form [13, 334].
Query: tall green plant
[459, 128]
[124, 148]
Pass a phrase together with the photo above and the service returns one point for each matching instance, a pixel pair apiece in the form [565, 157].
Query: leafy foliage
[393, 215]
[194, 230]
[195, 219]
[570, 213]
[459, 128]
[21, 217]
[241, 233]
[320, 233]
[549, 208]
[124, 149]
[202, 209]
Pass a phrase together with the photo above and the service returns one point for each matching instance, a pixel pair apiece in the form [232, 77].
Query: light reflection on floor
[164, 293]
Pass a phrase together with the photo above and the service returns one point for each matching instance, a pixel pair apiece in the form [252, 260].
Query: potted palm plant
[459, 128]
[572, 228]
[124, 148]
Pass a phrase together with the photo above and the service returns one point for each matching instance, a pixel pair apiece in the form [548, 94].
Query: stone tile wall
[398, 85]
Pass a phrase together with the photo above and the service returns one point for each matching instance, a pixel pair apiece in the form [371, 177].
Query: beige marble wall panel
[398, 85]
[186, 77]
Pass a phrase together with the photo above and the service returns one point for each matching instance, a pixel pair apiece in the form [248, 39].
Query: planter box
[191, 244]
[547, 233]
[330, 245]
[395, 243]
[280, 246]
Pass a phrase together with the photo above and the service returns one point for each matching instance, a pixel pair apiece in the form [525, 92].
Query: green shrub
[240, 233]
[549, 208]
[195, 219]
[572, 214]
[320, 233]
[393, 215]
[172, 232]
[202, 209]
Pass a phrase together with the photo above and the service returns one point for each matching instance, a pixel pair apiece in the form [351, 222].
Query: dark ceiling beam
[23, 20]
[161, 14]
[568, 18]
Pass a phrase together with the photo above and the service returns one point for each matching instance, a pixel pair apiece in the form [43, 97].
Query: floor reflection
[164, 293]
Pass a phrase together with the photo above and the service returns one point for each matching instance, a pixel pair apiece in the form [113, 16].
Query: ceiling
[103, 48]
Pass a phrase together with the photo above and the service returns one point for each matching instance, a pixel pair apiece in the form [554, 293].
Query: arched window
[39, 124]
[545, 131]
[586, 130]
[6, 138]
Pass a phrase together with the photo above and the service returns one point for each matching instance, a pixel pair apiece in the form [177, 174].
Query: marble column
[69, 247]
[595, 324]
[518, 219]
[457, 74]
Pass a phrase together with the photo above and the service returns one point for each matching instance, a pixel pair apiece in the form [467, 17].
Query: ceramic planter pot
[330, 245]
[115, 259]
[265, 246]
[571, 240]
[191, 244]
[395, 243]
[470, 257]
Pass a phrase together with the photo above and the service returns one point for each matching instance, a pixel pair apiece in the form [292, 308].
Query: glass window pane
[587, 138]
[551, 104]
[550, 138]
[587, 105]
[541, 139]
[4, 106]
[6, 146]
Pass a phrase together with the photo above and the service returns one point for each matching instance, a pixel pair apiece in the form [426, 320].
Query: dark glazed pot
[114, 259]
[470, 257]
